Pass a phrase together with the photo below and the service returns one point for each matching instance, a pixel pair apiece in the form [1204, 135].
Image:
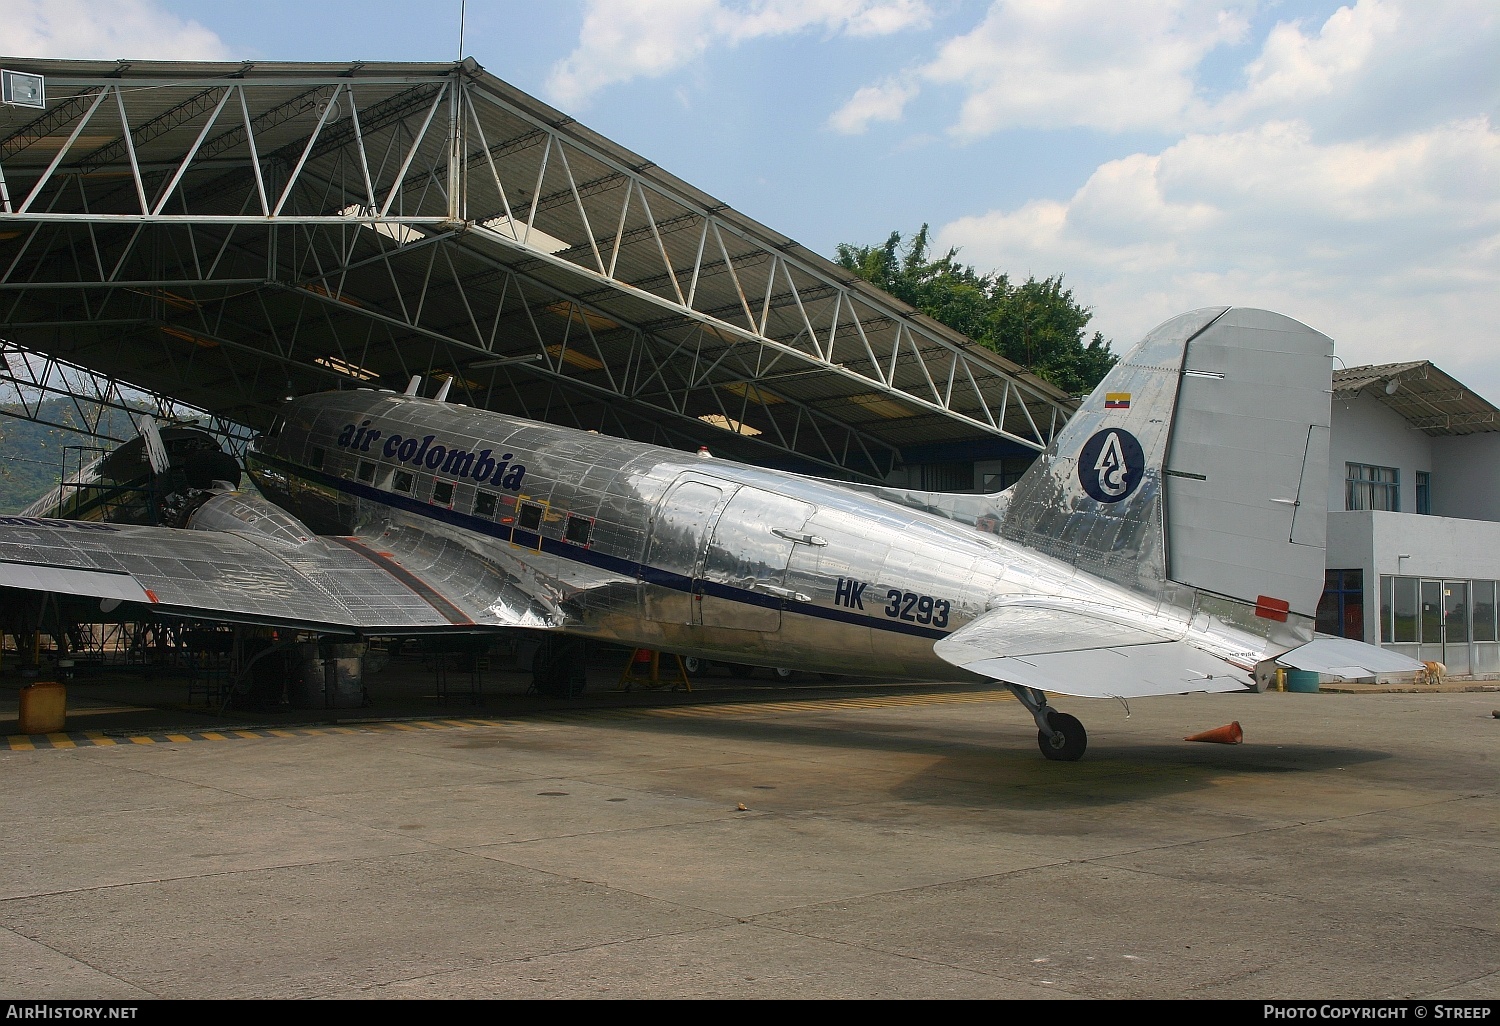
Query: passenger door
[743, 584]
[674, 551]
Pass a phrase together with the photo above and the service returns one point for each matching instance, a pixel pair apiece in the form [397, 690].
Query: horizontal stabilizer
[1344, 657]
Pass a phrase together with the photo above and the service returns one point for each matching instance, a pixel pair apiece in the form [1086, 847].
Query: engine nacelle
[246, 513]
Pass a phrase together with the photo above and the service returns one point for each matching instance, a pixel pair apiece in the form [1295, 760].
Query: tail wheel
[1068, 738]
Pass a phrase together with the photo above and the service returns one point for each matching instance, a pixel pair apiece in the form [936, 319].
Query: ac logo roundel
[1111, 465]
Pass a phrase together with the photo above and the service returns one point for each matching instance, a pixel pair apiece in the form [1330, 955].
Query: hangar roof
[224, 233]
[1427, 397]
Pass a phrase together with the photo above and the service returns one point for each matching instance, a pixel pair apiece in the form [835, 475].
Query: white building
[1414, 521]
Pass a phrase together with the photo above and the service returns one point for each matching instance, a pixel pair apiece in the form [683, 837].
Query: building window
[1424, 492]
[1341, 611]
[1400, 624]
[1484, 611]
[1011, 471]
[947, 477]
[1367, 487]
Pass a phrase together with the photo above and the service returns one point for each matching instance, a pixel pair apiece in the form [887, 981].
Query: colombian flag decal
[1117, 400]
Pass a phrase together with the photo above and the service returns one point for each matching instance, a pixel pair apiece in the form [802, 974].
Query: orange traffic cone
[1226, 735]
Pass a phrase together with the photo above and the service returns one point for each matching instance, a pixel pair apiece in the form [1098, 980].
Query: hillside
[32, 454]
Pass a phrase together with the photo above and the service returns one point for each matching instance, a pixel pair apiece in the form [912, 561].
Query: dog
[1432, 672]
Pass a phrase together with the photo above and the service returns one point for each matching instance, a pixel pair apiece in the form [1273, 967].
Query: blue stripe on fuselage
[591, 557]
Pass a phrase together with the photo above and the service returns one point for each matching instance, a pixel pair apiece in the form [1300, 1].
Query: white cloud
[1375, 67]
[1390, 246]
[883, 102]
[626, 39]
[1093, 63]
[104, 29]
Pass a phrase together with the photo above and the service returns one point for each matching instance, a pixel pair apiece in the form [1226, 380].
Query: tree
[1037, 324]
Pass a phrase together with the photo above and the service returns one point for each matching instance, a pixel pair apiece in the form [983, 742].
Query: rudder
[1192, 462]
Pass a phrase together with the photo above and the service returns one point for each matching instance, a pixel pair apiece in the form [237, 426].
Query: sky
[1338, 163]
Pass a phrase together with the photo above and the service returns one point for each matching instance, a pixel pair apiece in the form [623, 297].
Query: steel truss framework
[224, 233]
[28, 380]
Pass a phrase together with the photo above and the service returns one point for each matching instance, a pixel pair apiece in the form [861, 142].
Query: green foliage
[1037, 323]
[33, 453]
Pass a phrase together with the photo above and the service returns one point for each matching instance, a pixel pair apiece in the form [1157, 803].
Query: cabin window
[442, 493]
[276, 426]
[366, 471]
[579, 529]
[484, 504]
[315, 458]
[402, 481]
[529, 517]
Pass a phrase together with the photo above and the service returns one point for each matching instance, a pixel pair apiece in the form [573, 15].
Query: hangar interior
[221, 236]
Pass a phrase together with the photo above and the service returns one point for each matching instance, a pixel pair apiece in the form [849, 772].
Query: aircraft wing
[1075, 651]
[322, 583]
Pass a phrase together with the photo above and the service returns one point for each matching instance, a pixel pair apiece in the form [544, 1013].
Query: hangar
[220, 236]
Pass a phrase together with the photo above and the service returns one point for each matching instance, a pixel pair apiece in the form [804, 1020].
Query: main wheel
[694, 666]
[1068, 738]
[785, 673]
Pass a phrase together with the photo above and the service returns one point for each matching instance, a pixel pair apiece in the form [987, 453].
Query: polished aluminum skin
[1086, 578]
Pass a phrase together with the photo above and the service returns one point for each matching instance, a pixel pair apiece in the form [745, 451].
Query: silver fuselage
[703, 556]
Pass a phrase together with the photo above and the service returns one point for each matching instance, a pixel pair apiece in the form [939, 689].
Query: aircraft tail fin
[1200, 460]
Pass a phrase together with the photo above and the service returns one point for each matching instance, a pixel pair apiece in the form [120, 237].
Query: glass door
[1456, 626]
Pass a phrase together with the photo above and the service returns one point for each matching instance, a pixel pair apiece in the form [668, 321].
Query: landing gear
[1068, 739]
[1060, 736]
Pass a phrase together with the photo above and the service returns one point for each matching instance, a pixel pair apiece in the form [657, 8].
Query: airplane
[1170, 540]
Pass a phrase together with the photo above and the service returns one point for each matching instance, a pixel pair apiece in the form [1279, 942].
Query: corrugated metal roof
[1428, 398]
